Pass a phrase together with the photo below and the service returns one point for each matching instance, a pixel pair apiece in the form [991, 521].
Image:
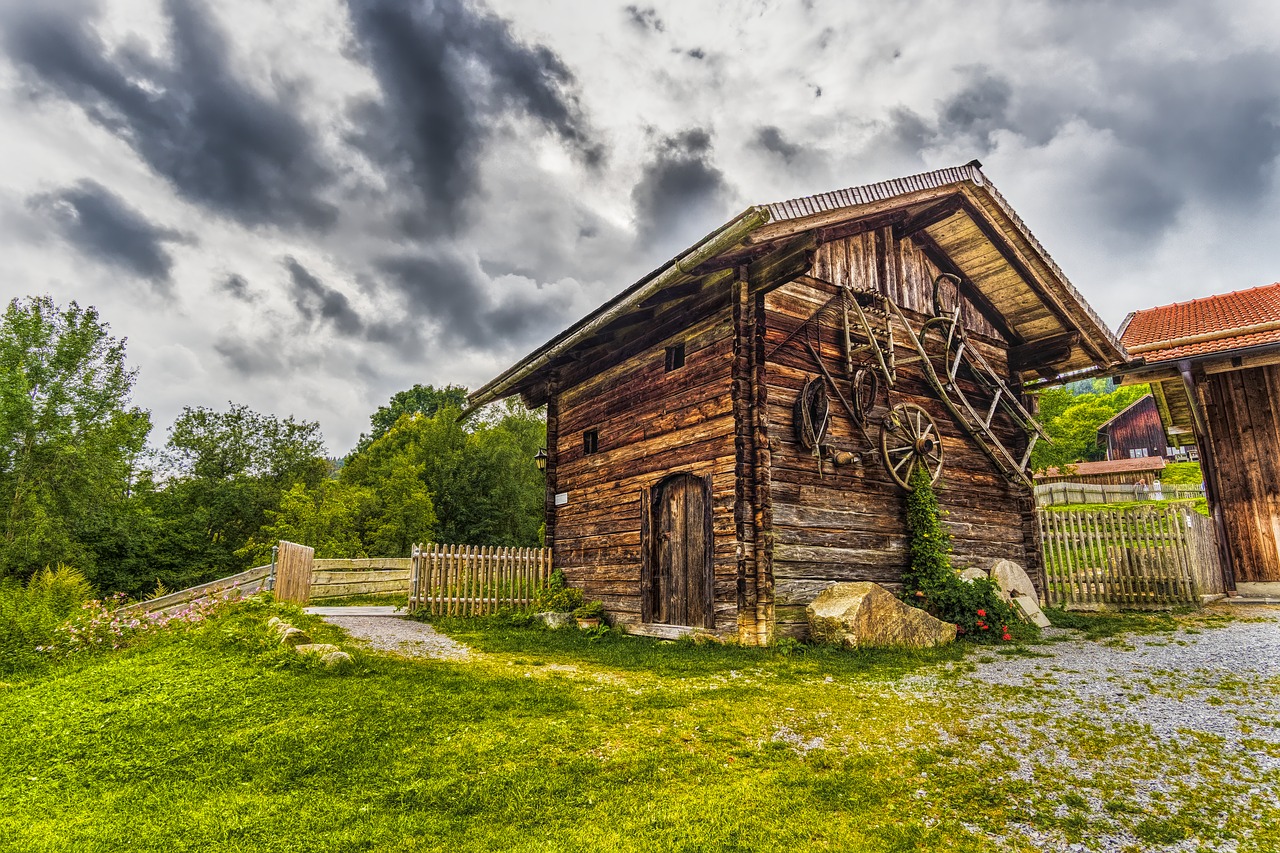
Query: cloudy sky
[307, 205]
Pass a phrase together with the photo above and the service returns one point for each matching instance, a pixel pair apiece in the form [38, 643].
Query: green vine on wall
[931, 584]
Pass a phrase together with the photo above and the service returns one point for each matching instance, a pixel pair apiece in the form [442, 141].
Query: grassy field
[213, 739]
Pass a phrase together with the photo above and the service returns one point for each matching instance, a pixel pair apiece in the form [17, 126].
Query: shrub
[590, 610]
[558, 596]
[30, 615]
[929, 582]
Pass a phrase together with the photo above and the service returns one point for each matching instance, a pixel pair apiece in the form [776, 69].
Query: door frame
[650, 505]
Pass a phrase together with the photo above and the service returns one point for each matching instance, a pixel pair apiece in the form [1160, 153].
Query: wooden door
[678, 572]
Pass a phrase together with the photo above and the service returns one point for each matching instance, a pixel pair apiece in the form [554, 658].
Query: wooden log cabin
[1214, 369]
[730, 434]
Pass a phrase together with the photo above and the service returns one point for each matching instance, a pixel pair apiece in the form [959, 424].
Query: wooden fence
[1064, 493]
[244, 583]
[467, 580]
[333, 578]
[294, 564]
[1148, 557]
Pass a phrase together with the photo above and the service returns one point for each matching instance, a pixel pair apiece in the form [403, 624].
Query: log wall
[650, 423]
[1243, 413]
[848, 523]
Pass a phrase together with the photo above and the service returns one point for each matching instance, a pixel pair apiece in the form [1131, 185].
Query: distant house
[1214, 369]
[734, 432]
[1118, 472]
[1134, 432]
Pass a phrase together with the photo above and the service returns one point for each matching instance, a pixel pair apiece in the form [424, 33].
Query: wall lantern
[540, 459]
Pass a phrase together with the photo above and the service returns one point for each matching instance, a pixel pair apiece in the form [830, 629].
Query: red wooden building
[1135, 432]
[733, 432]
[1214, 369]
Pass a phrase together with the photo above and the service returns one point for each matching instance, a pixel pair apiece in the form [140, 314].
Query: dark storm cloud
[681, 194]
[237, 286]
[446, 289]
[220, 142]
[449, 75]
[100, 224]
[645, 18]
[250, 357]
[973, 114]
[771, 139]
[1169, 133]
[314, 299]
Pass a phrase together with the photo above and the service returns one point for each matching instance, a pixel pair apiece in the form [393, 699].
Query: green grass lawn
[213, 740]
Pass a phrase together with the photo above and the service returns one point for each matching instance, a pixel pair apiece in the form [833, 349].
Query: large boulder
[866, 615]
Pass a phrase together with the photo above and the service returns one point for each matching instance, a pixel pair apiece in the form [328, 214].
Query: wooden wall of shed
[1137, 428]
[848, 523]
[650, 423]
[1243, 413]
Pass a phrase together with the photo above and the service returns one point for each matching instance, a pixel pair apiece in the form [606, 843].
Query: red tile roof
[1114, 466]
[1227, 321]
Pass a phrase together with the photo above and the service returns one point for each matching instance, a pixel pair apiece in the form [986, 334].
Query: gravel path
[1191, 716]
[400, 636]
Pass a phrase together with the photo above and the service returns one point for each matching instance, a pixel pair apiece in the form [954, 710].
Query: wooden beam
[677, 291]
[793, 259]
[940, 259]
[929, 216]
[1014, 260]
[1047, 352]
[860, 226]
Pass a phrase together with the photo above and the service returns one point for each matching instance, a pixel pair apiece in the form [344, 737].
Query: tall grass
[30, 613]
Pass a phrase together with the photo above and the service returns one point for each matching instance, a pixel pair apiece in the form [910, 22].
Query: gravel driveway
[400, 636]
[1143, 736]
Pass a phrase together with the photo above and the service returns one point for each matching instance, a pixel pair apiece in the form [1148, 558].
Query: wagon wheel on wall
[909, 438]
[866, 388]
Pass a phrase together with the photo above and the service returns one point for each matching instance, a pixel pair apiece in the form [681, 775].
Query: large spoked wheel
[909, 439]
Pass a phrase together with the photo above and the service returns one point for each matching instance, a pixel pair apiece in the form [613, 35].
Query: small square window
[675, 357]
[590, 441]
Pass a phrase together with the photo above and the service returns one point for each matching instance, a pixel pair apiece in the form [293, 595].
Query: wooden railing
[1147, 557]
[470, 580]
[1062, 493]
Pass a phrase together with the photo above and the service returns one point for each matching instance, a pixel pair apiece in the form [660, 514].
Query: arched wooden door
[676, 573]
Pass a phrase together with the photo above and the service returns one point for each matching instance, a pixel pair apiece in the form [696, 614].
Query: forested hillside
[84, 481]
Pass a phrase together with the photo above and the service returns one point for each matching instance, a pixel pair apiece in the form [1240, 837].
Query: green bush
[557, 596]
[590, 610]
[929, 582]
[30, 615]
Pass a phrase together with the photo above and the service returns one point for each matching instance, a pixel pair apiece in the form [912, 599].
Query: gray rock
[292, 636]
[553, 619]
[973, 574]
[862, 615]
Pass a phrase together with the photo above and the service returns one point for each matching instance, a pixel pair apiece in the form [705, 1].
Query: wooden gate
[677, 572]
[1148, 557]
[293, 572]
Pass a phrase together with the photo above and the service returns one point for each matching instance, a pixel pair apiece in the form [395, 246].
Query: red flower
[982, 613]
[959, 629]
[982, 626]
[1006, 637]
[919, 594]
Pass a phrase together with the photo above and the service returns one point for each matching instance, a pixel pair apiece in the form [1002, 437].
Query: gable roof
[1112, 466]
[1143, 399]
[956, 213]
[1213, 324]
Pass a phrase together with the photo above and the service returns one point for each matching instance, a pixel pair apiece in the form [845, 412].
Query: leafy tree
[226, 472]
[424, 400]
[69, 439]
[1072, 415]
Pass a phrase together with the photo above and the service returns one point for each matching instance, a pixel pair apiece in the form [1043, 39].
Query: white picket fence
[1061, 494]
